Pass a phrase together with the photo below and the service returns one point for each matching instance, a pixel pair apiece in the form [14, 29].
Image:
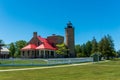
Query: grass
[23, 61]
[99, 71]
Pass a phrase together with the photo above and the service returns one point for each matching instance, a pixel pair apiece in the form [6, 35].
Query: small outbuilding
[97, 57]
[4, 53]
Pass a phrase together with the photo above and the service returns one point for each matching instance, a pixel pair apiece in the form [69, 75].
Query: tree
[18, 45]
[83, 52]
[61, 49]
[12, 49]
[78, 50]
[88, 48]
[94, 46]
[106, 47]
[1, 44]
[118, 53]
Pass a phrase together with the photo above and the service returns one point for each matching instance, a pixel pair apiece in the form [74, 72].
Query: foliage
[94, 46]
[78, 49]
[1, 44]
[61, 49]
[88, 48]
[18, 45]
[83, 50]
[1, 41]
[118, 53]
[106, 47]
[12, 49]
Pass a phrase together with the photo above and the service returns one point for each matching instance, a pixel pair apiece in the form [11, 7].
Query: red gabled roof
[29, 46]
[45, 44]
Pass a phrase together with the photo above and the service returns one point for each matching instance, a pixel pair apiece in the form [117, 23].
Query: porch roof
[29, 47]
[45, 46]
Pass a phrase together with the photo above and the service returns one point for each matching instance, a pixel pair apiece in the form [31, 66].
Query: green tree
[118, 53]
[88, 48]
[78, 50]
[1, 44]
[106, 47]
[12, 49]
[83, 52]
[61, 49]
[94, 46]
[18, 45]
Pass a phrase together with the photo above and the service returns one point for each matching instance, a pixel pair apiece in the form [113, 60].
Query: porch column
[54, 54]
[49, 53]
[44, 54]
[30, 52]
[39, 53]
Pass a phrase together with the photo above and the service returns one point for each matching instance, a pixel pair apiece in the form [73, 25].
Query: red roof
[29, 46]
[45, 44]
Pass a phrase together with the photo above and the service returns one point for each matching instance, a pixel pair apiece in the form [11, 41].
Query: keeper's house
[39, 47]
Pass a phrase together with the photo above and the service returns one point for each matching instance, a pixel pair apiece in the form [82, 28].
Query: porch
[38, 54]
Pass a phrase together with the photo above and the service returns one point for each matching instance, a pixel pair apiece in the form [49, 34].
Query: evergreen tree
[106, 47]
[78, 50]
[94, 46]
[88, 48]
[83, 50]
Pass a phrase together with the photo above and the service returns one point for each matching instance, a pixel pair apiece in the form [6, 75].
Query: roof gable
[45, 44]
[29, 46]
[4, 49]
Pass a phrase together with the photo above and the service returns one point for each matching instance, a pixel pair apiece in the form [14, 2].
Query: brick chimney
[34, 34]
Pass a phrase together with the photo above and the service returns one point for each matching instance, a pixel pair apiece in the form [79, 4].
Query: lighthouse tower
[70, 42]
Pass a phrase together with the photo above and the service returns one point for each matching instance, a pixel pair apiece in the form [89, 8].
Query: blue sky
[20, 18]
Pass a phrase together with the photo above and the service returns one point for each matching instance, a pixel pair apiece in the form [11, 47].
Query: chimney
[34, 34]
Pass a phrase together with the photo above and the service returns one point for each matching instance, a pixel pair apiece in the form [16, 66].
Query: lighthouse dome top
[69, 24]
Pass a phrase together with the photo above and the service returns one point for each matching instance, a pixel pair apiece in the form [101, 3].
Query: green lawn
[98, 71]
[23, 61]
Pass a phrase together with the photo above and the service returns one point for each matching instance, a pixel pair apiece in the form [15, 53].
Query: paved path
[35, 68]
[7, 70]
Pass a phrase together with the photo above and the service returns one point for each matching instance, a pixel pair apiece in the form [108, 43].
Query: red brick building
[39, 47]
